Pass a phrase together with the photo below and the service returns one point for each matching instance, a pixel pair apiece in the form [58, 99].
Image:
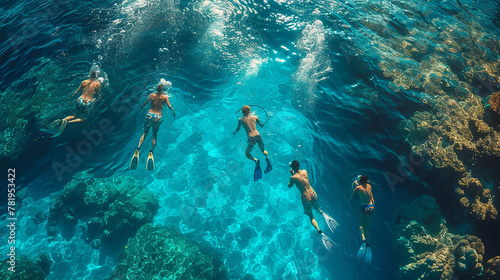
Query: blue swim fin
[269, 167]
[362, 251]
[257, 174]
[368, 255]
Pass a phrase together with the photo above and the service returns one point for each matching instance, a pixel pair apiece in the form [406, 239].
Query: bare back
[365, 193]
[249, 124]
[89, 88]
[157, 103]
[301, 180]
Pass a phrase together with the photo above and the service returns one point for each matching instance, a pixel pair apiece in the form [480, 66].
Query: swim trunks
[257, 139]
[83, 105]
[367, 209]
[154, 120]
[309, 199]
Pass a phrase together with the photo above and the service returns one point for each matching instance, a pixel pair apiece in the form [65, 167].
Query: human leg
[249, 150]
[308, 212]
[156, 127]
[364, 226]
[261, 147]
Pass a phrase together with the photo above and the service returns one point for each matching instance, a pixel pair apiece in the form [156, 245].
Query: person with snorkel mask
[249, 123]
[153, 120]
[89, 88]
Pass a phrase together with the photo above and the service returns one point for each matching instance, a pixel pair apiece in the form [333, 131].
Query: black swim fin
[134, 161]
[269, 167]
[150, 164]
[257, 174]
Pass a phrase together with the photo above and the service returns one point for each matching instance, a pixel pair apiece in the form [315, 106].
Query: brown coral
[494, 102]
[469, 256]
[476, 199]
[492, 271]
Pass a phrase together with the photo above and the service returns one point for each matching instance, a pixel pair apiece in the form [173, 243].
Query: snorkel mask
[164, 85]
[94, 72]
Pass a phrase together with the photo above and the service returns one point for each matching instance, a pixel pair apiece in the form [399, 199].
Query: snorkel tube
[267, 116]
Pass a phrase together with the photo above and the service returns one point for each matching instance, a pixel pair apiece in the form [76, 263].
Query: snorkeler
[367, 208]
[153, 119]
[300, 179]
[249, 122]
[88, 87]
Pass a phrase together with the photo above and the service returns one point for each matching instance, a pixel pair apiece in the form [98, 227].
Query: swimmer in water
[153, 120]
[89, 88]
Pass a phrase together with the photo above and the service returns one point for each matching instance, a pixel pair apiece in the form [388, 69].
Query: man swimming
[153, 120]
[249, 122]
[89, 88]
[309, 198]
[367, 208]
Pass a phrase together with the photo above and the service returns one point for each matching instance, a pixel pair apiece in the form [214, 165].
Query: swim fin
[269, 167]
[134, 161]
[328, 242]
[150, 164]
[257, 174]
[57, 127]
[331, 222]
[362, 251]
[368, 255]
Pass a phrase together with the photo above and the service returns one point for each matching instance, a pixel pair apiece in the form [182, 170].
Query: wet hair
[160, 87]
[295, 165]
[363, 179]
[94, 74]
[246, 109]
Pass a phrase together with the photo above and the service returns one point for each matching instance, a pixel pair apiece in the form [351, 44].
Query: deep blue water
[313, 65]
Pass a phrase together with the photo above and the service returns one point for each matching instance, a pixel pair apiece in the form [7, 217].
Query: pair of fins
[56, 127]
[365, 253]
[150, 164]
[257, 173]
[333, 225]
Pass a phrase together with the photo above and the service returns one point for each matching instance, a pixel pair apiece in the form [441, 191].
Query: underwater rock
[492, 271]
[25, 269]
[113, 207]
[426, 249]
[161, 253]
[34, 96]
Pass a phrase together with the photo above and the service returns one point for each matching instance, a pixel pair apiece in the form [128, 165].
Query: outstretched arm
[145, 102]
[169, 106]
[354, 195]
[79, 88]
[238, 128]
[260, 123]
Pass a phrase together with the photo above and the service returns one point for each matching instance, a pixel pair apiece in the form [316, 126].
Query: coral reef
[426, 249]
[477, 200]
[469, 256]
[114, 207]
[494, 102]
[447, 67]
[492, 271]
[161, 253]
[25, 269]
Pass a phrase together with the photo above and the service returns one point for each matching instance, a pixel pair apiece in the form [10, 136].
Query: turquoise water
[333, 77]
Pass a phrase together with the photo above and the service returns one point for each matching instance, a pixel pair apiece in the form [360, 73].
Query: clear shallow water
[314, 66]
